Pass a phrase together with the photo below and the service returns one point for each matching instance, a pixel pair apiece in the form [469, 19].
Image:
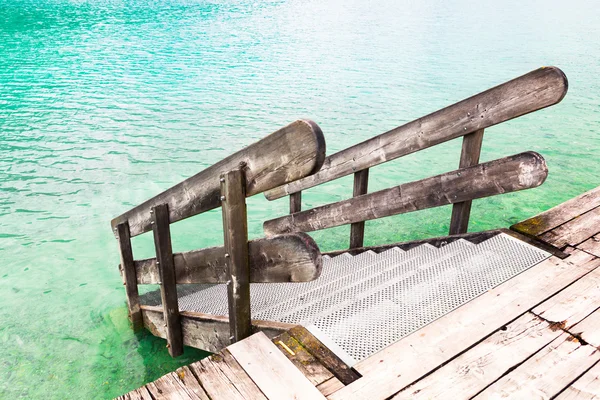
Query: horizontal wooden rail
[509, 174]
[288, 154]
[285, 258]
[533, 91]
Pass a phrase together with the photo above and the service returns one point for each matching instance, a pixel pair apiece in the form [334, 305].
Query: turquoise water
[105, 103]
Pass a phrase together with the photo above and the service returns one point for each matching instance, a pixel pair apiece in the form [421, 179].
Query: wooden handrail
[533, 91]
[288, 154]
[509, 174]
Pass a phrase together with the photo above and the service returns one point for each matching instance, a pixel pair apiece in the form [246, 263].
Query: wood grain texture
[574, 303]
[471, 150]
[589, 329]
[272, 372]
[560, 214]
[592, 245]
[284, 258]
[205, 331]
[191, 384]
[168, 286]
[223, 378]
[330, 386]
[509, 174]
[533, 91]
[235, 231]
[587, 387]
[575, 231]
[129, 276]
[473, 371]
[288, 154]
[357, 229]
[547, 373]
[295, 202]
[402, 363]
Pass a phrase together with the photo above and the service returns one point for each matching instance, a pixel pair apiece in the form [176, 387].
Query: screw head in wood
[222, 198]
[151, 211]
[228, 282]
[160, 283]
[231, 338]
[222, 180]
[158, 262]
[226, 255]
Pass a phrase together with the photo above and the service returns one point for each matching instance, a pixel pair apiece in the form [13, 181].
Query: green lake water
[105, 103]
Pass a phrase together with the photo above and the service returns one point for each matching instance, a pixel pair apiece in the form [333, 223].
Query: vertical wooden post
[295, 202]
[235, 228]
[471, 150]
[168, 288]
[357, 229]
[129, 276]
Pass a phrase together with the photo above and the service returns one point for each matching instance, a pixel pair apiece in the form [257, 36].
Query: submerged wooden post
[168, 288]
[471, 150]
[295, 202]
[129, 276]
[357, 229]
[235, 230]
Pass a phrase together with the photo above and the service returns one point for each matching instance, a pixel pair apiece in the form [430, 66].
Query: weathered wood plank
[290, 153]
[586, 387]
[325, 356]
[205, 331]
[129, 276]
[574, 303]
[589, 329]
[284, 258]
[166, 268]
[139, 394]
[546, 373]
[471, 372]
[509, 174]
[560, 214]
[533, 91]
[235, 231]
[330, 386]
[306, 363]
[170, 387]
[471, 150]
[402, 363]
[272, 372]
[592, 245]
[221, 382]
[575, 231]
[357, 229]
[191, 384]
[295, 202]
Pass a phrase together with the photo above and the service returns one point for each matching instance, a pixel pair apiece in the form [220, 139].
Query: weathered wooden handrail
[509, 174]
[290, 153]
[285, 258]
[533, 91]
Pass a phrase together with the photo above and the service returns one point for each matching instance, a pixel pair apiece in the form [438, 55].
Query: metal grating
[362, 303]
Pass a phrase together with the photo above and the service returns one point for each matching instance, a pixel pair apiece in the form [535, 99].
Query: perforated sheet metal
[366, 302]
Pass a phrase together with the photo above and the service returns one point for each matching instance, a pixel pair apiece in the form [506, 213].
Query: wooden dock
[534, 336]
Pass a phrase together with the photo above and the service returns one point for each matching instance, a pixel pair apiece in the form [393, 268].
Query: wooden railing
[468, 118]
[291, 153]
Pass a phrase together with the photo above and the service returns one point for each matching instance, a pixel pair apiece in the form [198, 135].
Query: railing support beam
[295, 202]
[357, 229]
[471, 150]
[166, 267]
[129, 276]
[235, 229]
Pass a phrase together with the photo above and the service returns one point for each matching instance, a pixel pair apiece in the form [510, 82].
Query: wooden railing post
[471, 150]
[129, 276]
[166, 267]
[295, 202]
[235, 229]
[357, 229]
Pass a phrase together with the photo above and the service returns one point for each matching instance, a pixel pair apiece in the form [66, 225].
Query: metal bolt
[222, 198]
[168, 346]
[160, 283]
[158, 263]
[151, 222]
[465, 128]
[228, 282]
[151, 211]
[222, 180]
[226, 255]
[231, 338]
[165, 325]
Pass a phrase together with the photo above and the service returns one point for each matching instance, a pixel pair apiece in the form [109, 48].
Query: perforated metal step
[363, 303]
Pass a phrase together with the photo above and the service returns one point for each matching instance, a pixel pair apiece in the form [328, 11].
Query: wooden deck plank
[575, 231]
[187, 378]
[560, 214]
[222, 377]
[592, 245]
[471, 372]
[330, 386]
[547, 373]
[405, 361]
[140, 394]
[272, 372]
[589, 329]
[306, 363]
[586, 387]
[574, 303]
[168, 387]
